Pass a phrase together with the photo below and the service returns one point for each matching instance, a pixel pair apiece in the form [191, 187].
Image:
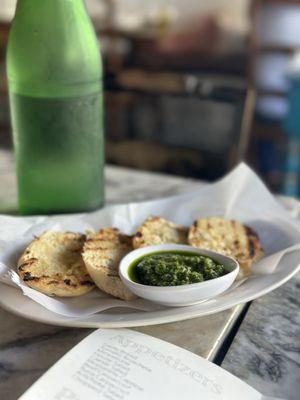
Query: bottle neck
[53, 50]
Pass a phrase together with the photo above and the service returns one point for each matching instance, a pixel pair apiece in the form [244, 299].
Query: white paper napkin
[240, 195]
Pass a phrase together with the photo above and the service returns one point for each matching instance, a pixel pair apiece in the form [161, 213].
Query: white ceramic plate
[13, 300]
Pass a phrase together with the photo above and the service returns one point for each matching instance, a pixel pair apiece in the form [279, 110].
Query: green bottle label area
[59, 152]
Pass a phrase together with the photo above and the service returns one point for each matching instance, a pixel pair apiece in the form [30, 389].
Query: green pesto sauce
[174, 268]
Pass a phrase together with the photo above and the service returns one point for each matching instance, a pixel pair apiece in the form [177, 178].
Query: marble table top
[265, 351]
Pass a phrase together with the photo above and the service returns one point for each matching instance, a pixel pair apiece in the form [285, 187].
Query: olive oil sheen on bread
[54, 73]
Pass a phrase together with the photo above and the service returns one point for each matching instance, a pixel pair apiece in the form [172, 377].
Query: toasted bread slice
[52, 264]
[102, 253]
[228, 237]
[156, 230]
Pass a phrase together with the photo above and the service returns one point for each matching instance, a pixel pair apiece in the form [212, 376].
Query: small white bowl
[182, 295]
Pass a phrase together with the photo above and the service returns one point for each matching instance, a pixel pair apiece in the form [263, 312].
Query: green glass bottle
[54, 73]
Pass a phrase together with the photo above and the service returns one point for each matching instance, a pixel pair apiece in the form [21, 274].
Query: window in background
[275, 39]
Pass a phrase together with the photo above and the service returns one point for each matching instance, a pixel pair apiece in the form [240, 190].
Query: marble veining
[28, 349]
[266, 351]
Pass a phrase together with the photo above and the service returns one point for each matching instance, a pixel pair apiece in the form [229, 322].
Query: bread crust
[102, 253]
[52, 264]
[228, 237]
[156, 230]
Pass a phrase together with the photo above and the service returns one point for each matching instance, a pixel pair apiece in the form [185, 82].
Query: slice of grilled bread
[53, 264]
[228, 237]
[156, 230]
[102, 253]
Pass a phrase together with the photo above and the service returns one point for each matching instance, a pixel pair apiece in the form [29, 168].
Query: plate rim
[161, 319]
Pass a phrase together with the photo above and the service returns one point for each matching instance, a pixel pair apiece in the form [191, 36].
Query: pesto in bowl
[177, 275]
[174, 268]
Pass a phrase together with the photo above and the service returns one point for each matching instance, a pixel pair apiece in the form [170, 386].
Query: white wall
[7, 8]
[186, 8]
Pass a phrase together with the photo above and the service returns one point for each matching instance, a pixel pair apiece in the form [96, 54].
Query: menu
[122, 364]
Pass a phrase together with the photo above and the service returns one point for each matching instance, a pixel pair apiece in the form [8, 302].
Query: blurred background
[193, 87]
